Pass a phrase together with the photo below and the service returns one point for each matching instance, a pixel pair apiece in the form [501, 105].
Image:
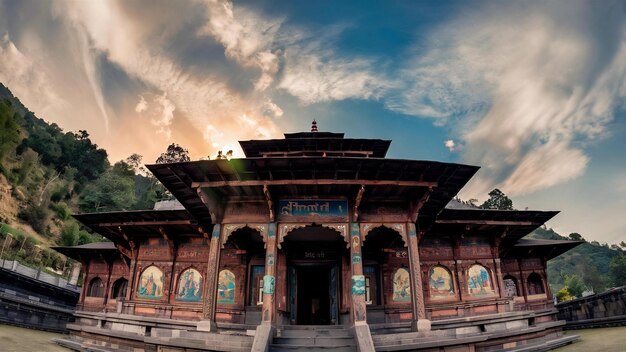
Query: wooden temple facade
[313, 229]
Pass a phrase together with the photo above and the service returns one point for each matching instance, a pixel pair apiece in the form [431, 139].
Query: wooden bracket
[270, 204]
[357, 203]
[419, 204]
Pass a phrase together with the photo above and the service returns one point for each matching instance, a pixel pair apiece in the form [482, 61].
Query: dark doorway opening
[314, 295]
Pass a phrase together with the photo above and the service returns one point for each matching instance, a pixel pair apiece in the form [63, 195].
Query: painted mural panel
[226, 287]
[189, 286]
[441, 286]
[401, 286]
[478, 281]
[150, 283]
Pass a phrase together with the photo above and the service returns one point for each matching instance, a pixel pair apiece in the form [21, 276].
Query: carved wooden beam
[489, 222]
[415, 209]
[163, 233]
[213, 204]
[251, 183]
[202, 232]
[357, 202]
[270, 204]
[146, 223]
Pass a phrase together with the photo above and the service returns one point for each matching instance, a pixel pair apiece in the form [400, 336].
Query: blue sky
[531, 91]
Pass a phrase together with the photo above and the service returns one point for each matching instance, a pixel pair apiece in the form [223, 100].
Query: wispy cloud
[524, 88]
[26, 78]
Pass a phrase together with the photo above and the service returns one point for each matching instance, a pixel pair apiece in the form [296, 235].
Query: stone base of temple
[511, 331]
[206, 325]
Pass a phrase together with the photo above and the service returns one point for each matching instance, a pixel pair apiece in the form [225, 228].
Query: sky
[533, 92]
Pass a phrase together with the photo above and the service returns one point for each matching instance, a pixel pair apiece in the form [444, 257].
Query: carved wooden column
[495, 251]
[523, 280]
[456, 252]
[358, 279]
[107, 287]
[86, 265]
[210, 292]
[132, 271]
[417, 294]
[269, 280]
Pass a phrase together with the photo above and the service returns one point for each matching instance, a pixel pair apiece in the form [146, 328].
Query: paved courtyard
[14, 339]
[603, 339]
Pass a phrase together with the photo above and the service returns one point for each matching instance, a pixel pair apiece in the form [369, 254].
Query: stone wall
[604, 309]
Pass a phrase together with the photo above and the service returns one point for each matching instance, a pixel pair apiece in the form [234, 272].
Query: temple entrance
[316, 290]
[313, 256]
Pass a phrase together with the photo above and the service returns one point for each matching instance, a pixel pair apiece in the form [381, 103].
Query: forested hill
[46, 174]
[588, 266]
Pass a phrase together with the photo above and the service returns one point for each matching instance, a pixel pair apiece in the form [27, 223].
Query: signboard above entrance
[309, 210]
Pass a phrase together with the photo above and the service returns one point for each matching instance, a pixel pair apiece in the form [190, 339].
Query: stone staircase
[313, 338]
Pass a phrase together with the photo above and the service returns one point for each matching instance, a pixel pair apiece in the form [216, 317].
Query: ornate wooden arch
[286, 229]
[229, 229]
[400, 228]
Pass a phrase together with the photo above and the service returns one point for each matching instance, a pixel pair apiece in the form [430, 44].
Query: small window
[535, 284]
[259, 301]
[255, 290]
[119, 288]
[96, 288]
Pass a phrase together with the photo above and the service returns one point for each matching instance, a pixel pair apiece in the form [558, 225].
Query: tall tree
[617, 270]
[174, 154]
[497, 200]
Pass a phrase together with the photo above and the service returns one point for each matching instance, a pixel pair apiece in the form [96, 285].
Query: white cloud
[142, 105]
[523, 87]
[207, 102]
[26, 79]
[450, 144]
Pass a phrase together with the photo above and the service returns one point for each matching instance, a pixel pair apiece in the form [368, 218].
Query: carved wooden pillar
[132, 273]
[269, 280]
[86, 265]
[358, 279]
[417, 293]
[495, 251]
[544, 279]
[210, 292]
[456, 252]
[107, 287]
[523, 280]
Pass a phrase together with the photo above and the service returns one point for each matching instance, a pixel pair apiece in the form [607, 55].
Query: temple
[315, 239]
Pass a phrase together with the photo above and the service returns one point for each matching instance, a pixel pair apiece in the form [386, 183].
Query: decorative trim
[400, 228]
[342, 229]
[229, 229]
[285, 229]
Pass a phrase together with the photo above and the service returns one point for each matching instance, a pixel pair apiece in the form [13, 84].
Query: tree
[617, 270]
[576, 236]
[69, 234]
[497, 200]
[111, 191]
[564, 295]
[174, 154]
[574, 285]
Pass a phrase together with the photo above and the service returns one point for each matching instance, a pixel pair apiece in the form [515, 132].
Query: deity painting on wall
[478, 281]
[189, 286]
[441, 286]
[401, 286]
[226, 287]
[150, 283]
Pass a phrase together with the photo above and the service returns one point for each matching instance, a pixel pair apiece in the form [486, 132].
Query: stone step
[314, 341]
[545, 345]
[312, 327]
[291, 348]
[314, 333]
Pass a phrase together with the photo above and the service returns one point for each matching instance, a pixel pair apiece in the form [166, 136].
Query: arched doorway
[314, 255]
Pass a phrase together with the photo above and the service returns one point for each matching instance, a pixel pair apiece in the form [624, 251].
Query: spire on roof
[314, 126]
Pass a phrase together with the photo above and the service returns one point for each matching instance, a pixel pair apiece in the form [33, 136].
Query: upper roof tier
[315, 144]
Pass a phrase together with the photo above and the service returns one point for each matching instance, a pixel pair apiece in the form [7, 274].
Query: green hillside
[46, 174]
